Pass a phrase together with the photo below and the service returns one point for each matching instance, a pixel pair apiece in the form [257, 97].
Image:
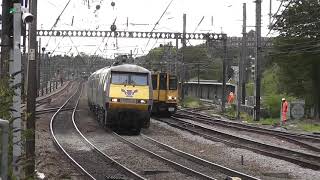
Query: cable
[57, 20]
[198, 24]
[57, 46]
[277, 19]
[158, 22]
[275, 16]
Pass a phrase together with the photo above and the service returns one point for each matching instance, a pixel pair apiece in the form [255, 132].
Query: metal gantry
[132, 34]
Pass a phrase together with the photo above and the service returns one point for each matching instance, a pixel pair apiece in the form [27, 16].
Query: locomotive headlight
[142, 101]
[115, 100]
[172, 98]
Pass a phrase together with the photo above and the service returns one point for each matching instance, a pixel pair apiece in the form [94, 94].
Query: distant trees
[194, 56]
[297, 50]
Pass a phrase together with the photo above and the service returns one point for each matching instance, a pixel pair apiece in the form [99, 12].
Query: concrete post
[15, 71]
[4, 159]
[258, 60]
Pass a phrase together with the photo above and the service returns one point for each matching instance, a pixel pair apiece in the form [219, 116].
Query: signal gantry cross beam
[132, 34]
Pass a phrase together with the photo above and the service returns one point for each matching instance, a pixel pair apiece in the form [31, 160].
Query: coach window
[163, 81]
[155, 81]
[119, 78]
[173, 83]
[139, 79]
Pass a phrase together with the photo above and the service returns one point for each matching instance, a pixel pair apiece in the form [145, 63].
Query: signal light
[252, 71]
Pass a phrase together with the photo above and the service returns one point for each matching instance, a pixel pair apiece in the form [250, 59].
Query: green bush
[272, 103]
[191, 102]
[250, 89]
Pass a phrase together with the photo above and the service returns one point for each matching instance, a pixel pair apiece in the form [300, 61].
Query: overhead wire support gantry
[209, 37]
[131, 34]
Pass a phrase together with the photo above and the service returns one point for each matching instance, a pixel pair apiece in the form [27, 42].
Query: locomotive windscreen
[163, 81]
[173, 82]
[119, 78]
[139, 79]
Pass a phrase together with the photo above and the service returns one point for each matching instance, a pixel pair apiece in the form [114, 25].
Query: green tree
[210, 67]
[296, 50]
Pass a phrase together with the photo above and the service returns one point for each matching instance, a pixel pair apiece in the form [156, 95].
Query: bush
[272, 103]
[191, 102]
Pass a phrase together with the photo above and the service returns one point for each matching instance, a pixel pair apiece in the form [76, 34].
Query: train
[165, 93]
[121, 96]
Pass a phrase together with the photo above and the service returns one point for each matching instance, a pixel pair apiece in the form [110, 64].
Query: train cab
[165, 93]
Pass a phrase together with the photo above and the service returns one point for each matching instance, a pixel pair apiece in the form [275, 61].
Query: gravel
[49, 161]
[94, 163]
[139, 162]
[267, 139]
[254, 164]
[55, 166]
[181, 160]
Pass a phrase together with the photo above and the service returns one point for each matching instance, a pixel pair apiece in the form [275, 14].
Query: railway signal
[252, 71]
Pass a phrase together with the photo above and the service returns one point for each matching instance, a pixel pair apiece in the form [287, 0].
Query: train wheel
[98, 116]
[147, 122]
[136, 131]
[106, 122]
[101, 118]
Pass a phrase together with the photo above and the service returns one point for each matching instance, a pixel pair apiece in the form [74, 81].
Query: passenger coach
[165, 93]
[121, 96]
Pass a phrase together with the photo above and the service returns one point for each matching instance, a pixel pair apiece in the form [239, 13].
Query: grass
[191, 102]
[309, 126]
[264, 121]
[304, 125]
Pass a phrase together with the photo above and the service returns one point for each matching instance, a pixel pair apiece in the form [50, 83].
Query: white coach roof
[129, 68]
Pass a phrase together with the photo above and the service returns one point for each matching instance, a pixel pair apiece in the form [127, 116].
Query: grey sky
[226, 14]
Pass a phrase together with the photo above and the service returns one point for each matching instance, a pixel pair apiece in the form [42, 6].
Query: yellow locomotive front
[165, 93]
[129, 99]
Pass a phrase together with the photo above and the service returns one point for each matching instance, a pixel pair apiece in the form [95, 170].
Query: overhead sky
[219, 16]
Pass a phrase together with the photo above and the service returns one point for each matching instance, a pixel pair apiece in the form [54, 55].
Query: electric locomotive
[121, 96]
[165, 93]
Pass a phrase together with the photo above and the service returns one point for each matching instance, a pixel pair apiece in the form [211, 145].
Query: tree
[296, 50]
[210, 67]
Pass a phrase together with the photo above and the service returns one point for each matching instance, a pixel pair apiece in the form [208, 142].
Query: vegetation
[160, 58]
[6, 94]
[5, 98]
[191, 102]
[296, 51]
[310, 127]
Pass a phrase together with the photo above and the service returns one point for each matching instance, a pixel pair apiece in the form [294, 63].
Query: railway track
[236, 125]
[44, 99]
[184, 162]
[303, 159]
[147, 158]
[247, 129]
[93, 163]
[51, 110]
